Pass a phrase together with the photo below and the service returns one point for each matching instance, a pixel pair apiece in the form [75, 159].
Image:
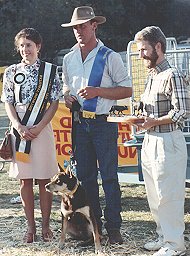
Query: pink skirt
[43, 162]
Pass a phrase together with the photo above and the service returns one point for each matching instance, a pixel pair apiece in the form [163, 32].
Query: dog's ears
[66, 171]
[60, 168]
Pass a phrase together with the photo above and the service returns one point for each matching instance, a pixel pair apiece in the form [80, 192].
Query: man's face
[84, 32]
[147, 53]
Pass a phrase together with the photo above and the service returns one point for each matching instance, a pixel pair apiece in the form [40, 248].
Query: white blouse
[28, 85]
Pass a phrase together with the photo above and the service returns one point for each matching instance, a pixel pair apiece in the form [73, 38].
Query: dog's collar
[74, 189]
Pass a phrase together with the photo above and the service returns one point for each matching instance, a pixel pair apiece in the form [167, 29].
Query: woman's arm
[24, 132]
[49, 114]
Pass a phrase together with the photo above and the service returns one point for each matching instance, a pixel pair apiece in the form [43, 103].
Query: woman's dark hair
[29, 33]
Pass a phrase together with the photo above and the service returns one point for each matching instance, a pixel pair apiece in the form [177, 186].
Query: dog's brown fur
[77, 217]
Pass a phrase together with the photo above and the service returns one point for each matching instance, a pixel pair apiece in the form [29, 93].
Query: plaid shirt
[166, 93]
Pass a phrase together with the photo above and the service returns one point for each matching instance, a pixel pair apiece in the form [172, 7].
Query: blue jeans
[96, 150]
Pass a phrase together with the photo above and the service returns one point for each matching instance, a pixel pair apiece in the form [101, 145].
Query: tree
[124, 19]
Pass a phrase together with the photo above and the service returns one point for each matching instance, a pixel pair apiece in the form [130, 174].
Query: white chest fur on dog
[66, 212]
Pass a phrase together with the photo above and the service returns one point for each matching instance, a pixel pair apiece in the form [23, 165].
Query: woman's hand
[26, 133]
[36, 129]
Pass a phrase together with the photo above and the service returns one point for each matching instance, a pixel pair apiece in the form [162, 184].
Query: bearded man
[166, 105]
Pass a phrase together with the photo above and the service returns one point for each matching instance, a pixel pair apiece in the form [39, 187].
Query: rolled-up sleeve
[117, 71]
[180, 98]
[65, 77]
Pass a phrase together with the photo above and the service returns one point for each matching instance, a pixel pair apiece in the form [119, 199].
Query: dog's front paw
[61, 245]
[99, 252]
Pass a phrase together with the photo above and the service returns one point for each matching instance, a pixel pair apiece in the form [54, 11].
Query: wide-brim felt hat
[83, 14]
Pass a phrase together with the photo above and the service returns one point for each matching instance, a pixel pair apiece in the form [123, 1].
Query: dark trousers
[96, 150]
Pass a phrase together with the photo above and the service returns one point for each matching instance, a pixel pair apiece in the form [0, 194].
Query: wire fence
[178, 57]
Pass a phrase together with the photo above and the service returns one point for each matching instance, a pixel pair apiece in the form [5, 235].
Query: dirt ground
[137, 226]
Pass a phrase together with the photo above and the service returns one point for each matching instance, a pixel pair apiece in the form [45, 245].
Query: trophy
[116, 115]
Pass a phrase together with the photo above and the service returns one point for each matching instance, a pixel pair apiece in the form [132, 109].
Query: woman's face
[28, 50]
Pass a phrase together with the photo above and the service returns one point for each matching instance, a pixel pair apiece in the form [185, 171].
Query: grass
[137, 226]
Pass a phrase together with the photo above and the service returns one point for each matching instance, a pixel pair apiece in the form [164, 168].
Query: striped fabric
[36, 108]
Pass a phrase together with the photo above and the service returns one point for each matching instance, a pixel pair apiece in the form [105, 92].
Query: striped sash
[36, 108]
[89, 105]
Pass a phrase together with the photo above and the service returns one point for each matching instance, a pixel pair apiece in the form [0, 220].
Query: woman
[27, 88]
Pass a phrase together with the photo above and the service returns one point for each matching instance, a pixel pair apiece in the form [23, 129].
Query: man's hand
[69, 100]
[88, 92]
[148, 123]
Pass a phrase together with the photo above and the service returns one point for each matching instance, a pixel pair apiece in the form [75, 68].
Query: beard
[150, 61]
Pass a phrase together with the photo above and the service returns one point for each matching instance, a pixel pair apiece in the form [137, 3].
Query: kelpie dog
[77, 217]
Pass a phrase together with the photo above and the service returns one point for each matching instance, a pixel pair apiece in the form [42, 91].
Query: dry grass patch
[137, 226]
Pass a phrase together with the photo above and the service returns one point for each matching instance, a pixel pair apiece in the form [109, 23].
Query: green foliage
[124, 19]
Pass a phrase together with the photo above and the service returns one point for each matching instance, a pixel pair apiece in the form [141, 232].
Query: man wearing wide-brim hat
[83, 14]
[95, 77]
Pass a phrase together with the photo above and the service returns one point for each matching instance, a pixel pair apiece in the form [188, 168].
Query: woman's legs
[27, 196]
[45, 205]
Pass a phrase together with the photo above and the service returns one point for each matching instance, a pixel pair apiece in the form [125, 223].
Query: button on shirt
[166, 93]
[76, 75]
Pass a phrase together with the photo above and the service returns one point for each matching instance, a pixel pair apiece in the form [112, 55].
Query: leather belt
[104, 116]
